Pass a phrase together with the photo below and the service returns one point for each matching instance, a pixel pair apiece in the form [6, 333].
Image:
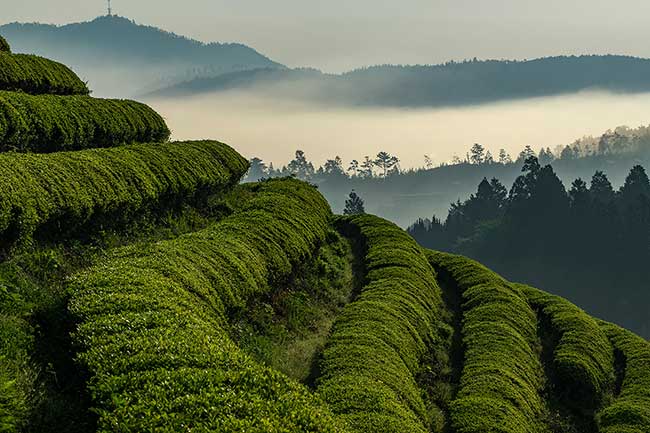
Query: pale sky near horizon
[338, 35]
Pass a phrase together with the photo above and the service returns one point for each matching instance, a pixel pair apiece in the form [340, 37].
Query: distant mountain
[447, 84]
[267, 80]
[121, 57]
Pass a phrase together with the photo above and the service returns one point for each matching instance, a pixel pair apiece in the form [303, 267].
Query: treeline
[474, 81]
[405, 194]
[451, 84]
[590, 243]
[621, 140]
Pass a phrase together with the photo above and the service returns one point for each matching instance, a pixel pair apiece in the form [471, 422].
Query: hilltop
[123, 57]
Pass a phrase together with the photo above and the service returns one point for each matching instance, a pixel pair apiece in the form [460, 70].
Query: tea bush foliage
[49, 123]
[502, 377]
[371, 360]
[152, 322]
[59, 192]
[37, 75]
[4, 45]
[630, 410]
[583, 357]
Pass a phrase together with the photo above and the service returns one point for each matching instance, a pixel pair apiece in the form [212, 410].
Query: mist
[272, 128]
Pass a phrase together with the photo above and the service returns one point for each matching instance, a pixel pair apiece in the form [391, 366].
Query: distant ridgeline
[449, 84]
[143, 289]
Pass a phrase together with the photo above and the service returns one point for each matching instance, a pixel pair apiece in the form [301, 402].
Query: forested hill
[588, 237]
[453, 83]
[124, 48]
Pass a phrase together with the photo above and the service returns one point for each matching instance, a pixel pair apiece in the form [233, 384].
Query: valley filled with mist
[273, 128]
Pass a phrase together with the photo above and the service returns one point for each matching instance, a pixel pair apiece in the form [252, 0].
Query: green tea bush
[153, 322]
[630, 411]
[502, 377]
[49, 123]
[371, 360]
[4, 45]
[37, 75]
[60, 192]
[583, 358]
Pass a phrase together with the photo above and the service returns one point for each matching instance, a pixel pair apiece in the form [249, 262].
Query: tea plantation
[144, 289]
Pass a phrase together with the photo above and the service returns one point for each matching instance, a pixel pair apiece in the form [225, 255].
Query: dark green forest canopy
[588, 240]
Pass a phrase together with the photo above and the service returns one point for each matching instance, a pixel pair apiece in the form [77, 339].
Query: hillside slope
[142, 289]
[148, 57]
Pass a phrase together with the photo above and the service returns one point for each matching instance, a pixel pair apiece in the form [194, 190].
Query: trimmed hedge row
[583, 358]
[502, 377]
[4, 45]
[630, 411]
[49, 123]
[37, 75]
[152, 322]
[61, 192]
[374, 353]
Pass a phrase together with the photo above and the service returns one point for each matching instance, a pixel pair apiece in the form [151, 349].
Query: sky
[339, 35]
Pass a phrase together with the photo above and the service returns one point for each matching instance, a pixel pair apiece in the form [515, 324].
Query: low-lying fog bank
[272, 129]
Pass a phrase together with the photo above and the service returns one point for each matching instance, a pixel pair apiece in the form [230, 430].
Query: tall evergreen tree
[334, 167]
[366, 168]
[601, 189]
[354, 205]
[257, 170]
[477, 154]
[386, 163]
[504, 157]
[300, 167]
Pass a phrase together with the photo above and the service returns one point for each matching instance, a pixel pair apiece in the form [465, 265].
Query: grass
[287, 329]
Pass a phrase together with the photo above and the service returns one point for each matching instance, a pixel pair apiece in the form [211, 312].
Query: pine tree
[257, 170]
[301, 167]
[504, 158]
[354, 205]
[387, 163]
[477, 154]
[354, 168]
[366, 168]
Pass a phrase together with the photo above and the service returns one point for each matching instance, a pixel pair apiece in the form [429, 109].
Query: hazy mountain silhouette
[122, 57]
[447, 84]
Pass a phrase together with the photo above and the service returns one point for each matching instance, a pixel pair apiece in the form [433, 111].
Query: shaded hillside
[144, 289]
[119, 56]
[449, 84]
[579, 240]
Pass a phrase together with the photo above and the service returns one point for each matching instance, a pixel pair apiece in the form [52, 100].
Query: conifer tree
[354, 205]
